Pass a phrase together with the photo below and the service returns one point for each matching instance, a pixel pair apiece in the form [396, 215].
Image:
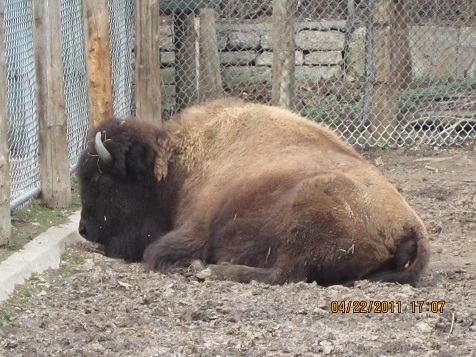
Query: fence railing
[385, 73]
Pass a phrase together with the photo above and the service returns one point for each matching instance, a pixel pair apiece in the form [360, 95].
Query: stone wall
[246, 53]
[436, 51]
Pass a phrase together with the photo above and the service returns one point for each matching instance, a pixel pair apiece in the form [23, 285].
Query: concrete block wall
[246, 51]
[246, 55]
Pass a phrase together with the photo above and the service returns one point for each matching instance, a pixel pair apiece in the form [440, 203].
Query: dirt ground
[95, 306]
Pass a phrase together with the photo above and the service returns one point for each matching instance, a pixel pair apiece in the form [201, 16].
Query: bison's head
[123, 207]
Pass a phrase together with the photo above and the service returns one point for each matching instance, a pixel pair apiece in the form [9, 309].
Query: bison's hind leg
[175, 249]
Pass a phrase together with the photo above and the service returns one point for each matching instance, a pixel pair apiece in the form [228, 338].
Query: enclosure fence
[22, 120]
[23, 136]
[385, 73]
[381, 73]
[75, 77]
[121, 24]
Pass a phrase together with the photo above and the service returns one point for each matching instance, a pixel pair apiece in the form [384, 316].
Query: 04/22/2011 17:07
[387, 306]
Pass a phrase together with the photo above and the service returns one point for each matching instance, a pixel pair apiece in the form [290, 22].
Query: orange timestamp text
[386, 306]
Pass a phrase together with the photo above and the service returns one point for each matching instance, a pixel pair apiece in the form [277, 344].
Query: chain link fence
[384, 73]
[20, 64]
[22, 122]
[121, 30]
[75, 77]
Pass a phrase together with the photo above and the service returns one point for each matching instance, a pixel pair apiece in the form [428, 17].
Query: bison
[254, 191]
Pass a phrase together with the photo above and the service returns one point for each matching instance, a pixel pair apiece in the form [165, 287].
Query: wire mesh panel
[382, 73]
[22, 111]
[121, 28]
[22, 120]
[75, 77]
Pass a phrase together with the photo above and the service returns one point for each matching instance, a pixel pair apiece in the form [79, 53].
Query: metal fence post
[147, 61]
[54, 160]
[96, 25]
[283, 53]
[5, 223]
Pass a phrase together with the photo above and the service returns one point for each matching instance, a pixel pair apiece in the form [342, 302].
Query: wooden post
[349, 31]
[5, 221]
[350, 8]
[384, 99]
[54, 161]
[147, 61]
[283, 53]
[96, 25]
[384, 111]
[383, 51]
[400, 43]
[369, 73]
[209, 82]
[185, 58]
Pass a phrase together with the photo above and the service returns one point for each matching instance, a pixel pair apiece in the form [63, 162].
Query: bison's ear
[139, 161]
[128, 156]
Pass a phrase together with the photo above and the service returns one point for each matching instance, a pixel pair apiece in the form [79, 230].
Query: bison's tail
[408, 262]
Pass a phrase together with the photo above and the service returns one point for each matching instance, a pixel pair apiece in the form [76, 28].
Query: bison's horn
[101, 149]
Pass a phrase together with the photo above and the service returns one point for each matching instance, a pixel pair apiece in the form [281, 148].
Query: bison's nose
[82, 229]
